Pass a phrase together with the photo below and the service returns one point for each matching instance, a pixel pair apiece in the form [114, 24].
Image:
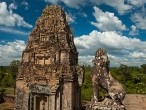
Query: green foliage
[14, 68]
[143, 68]
[137, 76]
[87, 85]
[8, 74]
[8, 80]
[2, 90]
[133, 78]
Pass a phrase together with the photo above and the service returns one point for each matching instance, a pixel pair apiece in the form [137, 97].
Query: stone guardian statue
[101, 77]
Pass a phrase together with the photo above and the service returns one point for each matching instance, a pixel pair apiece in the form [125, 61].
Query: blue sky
[119, 26]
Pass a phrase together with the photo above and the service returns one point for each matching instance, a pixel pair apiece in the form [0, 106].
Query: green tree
[137, 76]
[143, 68]
[14, 71]
[7, 81]
[87, 85]
[14, 68]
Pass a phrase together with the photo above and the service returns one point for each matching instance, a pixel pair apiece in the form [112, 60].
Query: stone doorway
[39, 97]
[39, 102]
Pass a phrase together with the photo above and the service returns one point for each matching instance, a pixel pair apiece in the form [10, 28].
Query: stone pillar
[47, 102]
[58, 57]
[67, 101]
[34, 102]
[63, 56]
[58, 101]
[77, 98]
[52, 102]
[30, 99]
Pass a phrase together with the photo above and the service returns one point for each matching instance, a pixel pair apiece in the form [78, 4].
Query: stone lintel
[68, 79]
[39, 89]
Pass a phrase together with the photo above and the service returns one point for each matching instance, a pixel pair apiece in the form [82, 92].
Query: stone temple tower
[49, 76]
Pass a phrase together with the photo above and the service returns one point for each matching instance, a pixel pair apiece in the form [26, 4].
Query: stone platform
[131, 102]
[135, 102]
[102, 107]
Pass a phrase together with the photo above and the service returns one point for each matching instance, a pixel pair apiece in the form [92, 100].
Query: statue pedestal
[104, 106]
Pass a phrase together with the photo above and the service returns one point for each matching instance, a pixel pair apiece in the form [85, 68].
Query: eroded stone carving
[80, 72]
[49, 65]
[101, 77]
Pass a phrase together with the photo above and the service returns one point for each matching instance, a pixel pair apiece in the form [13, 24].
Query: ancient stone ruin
[49, 76]
[101, 77]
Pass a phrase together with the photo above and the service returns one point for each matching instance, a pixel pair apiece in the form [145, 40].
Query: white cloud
[69, 3]
[84, 14]
[74, 3]
[8, 18]
[85, 60]
[25, 4]
[137, 55]
[119, 48]
[107, 21]
[134, 30]
[70, 18]
[122, 6]
[11, 51]
[12, 6]
[119, 5]
[52, 1]
[139, 19]
[137, 3]
[13, 31]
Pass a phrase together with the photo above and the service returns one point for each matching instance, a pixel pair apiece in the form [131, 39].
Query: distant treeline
[8, 74]
[133, 78]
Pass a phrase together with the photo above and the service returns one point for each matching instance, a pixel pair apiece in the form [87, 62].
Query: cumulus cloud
[70, 18]
[73, 3]
[11, 51]
[139, 18]
[25, 4]
[52, 1]
[119, 5]
[119, 48]
[84, 14]
[12, 6]
[137, 3]
[134, 30]
[69, 3]
[106, 21]
[9, 18]
[13, 31]
[85, 60]
[137, 55]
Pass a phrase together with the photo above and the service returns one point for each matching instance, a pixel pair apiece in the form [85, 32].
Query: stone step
[135, 102]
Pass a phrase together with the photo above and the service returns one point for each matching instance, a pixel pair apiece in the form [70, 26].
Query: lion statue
[101, 77]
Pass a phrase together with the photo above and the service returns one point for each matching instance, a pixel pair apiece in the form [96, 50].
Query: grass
[8, 91]
[7, 106]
